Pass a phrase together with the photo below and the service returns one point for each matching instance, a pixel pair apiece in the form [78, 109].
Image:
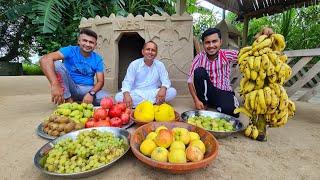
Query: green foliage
[299, 26]
[31, 69]
[206, 18]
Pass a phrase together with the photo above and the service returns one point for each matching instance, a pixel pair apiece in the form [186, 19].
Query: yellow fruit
[151, 136]
[181, 134]
[164, 138]
[159, 128]
[144, 112]
[194, 136]
[147, 146]
[160, 154]
[164, 113]
[194, 154]
[177, 156]
[177, 145]
[199, 144]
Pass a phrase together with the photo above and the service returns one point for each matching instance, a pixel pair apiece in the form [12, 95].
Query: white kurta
[143, 82]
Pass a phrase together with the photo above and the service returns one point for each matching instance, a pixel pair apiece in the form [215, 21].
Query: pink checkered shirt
[218, 69]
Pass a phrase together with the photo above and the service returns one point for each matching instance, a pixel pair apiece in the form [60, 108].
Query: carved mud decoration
[173, 34]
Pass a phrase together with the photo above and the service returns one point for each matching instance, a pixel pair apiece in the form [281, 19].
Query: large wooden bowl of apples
[175, 147]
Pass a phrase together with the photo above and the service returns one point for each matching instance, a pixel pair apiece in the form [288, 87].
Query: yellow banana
[249, 86]
[292, 106]
[247, 102]
[259, 83]
[256, 53]
[248, 130]
[267, 95]
[283, 58]
[272, 57]
[243, 81]
[257, 63]
[250, 61]
[270, 70]
[278, 42]
[282, 113]
[259, 40]
[244, 50]
[272, 78]
[265, 61]
[252, 98]
[262, 101]
[283, 120]
[275, 99]
[257, 106]
[265, 50]
[262, 74]
[242, 110]
[247, 72]
[243, 56]
[265, 43]
[253, 75]
[277, 67]
[283, 93]
[283, 104]
[288, 70]
[255, 132]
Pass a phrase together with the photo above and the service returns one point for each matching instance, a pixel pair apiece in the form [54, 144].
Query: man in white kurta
[146, 79]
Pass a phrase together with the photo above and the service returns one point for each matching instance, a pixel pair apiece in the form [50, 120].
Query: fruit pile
[66, 118]
[146, 112]
[212, 124]
[166, 145]
[265, 71]
[90, 150]
[60, 125]
[109, 114]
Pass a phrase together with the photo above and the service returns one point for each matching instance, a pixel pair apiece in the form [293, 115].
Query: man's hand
[127, 99]
[199, 105]
[57, 94]
[88, 99]
[160, 98]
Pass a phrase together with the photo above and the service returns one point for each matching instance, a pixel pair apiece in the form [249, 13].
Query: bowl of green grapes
[219, 124]
[82, 153]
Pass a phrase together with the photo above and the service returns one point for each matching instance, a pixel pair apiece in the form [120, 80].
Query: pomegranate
[115, 111]
[106, 102]
[115, 122]
[125, 118]
[100, 114]
[122, 106]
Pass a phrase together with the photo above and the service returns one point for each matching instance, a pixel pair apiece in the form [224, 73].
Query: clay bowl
[209, 140]
[177, 118]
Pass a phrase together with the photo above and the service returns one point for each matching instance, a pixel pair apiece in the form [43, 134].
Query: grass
[31, 69]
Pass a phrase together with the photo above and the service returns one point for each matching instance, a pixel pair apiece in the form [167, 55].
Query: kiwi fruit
[61, 127]
[54, 126]
[69, 127]
[62, 133]
[55, 133]
[46, 129]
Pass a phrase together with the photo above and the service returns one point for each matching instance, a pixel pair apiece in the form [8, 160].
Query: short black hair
[210, 31]
[150, 42]
[88, 32]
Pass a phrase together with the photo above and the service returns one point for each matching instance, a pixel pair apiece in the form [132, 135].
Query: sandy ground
[291, 152]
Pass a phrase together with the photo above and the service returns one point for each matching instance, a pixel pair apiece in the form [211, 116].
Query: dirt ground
[291, 152]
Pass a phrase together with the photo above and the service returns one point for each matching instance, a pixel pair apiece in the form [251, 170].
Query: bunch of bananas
[264, 70]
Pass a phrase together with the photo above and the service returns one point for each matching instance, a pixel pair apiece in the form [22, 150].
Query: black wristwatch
[92, 93]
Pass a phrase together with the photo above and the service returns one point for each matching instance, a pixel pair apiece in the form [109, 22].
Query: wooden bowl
[209, 140]
[177, 118]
